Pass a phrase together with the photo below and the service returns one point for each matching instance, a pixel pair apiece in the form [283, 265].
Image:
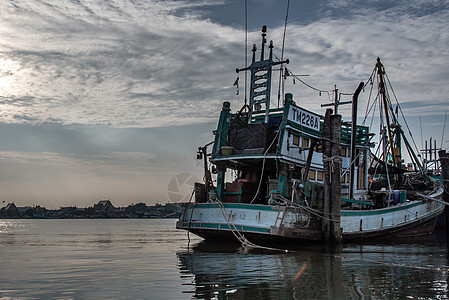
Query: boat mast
[261, 78]
[336, 102]
[380, 73]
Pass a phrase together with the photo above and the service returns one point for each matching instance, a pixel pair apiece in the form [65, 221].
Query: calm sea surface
[150, 259]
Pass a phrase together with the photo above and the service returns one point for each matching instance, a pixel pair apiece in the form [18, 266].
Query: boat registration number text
[304, 118]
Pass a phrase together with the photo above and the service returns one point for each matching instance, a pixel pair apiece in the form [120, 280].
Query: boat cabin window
[312, 174]
[296, 140]
[345, 178]
[345, 152]
[305, 142]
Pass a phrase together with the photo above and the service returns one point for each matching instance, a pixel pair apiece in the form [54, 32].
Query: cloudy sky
[110, 99]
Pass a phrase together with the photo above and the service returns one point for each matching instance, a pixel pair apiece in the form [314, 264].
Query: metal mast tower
[261, 78]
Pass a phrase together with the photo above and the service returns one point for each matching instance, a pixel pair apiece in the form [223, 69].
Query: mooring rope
[307, 208]
[240, 236]
[190, 220]
[263, 163]
[332, 160]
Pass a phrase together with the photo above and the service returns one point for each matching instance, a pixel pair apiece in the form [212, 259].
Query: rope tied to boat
[238, 235]
[309, 209]
[263, 163]
[333, 161]
[190, 219]
[432, 199]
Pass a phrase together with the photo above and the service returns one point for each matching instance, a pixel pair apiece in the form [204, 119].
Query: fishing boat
[289, 174]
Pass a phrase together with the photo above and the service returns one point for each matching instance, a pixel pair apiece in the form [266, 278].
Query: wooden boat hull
[266, 223]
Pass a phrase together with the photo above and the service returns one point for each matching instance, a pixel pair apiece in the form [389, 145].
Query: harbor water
[150, 259]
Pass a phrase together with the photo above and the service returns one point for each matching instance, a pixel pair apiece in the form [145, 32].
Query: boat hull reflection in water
[354, 272]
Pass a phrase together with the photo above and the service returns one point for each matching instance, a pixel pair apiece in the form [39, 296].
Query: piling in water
[444, 161]
[332, 184]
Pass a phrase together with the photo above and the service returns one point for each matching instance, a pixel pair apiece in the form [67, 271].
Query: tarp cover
[247, 136]
[378, 167]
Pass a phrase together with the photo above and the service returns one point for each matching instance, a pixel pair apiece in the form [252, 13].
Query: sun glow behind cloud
[8, 76]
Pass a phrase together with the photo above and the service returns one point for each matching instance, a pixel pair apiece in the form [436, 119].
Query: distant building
[11, 209]
[104, 206]
[26, 211]
[67, 211]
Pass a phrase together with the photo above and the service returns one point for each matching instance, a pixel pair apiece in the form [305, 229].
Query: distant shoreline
[84, 218]
[102, 210]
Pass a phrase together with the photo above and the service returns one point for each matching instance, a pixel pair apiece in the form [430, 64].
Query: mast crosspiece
[336, 102]
[261, 78]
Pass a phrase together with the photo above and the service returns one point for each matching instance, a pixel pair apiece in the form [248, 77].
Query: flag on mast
[236, 83]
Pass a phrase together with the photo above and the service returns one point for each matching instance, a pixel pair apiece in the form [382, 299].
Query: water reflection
[227, 272]
[220, 271]
[8, 226]
[143, 259]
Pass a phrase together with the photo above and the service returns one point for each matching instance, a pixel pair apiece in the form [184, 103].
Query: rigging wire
[246, 51]
[296, 77]
[381, 129]
[373, 113]
[306, 84]
[289, 73]
[371, 109]
[368, 108]
[394, 114]
[402, 113]
[282, 55]
[444, 126]
[263, 163]
[420, 126]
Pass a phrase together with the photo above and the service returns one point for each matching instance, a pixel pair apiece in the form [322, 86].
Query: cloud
[343, 52]
[152, 63]
[102, 63]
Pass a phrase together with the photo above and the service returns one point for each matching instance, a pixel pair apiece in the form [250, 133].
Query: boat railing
[362, 135]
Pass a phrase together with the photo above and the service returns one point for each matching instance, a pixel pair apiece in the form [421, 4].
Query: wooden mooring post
[444, 162]
[332, 182]
[332, 169]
